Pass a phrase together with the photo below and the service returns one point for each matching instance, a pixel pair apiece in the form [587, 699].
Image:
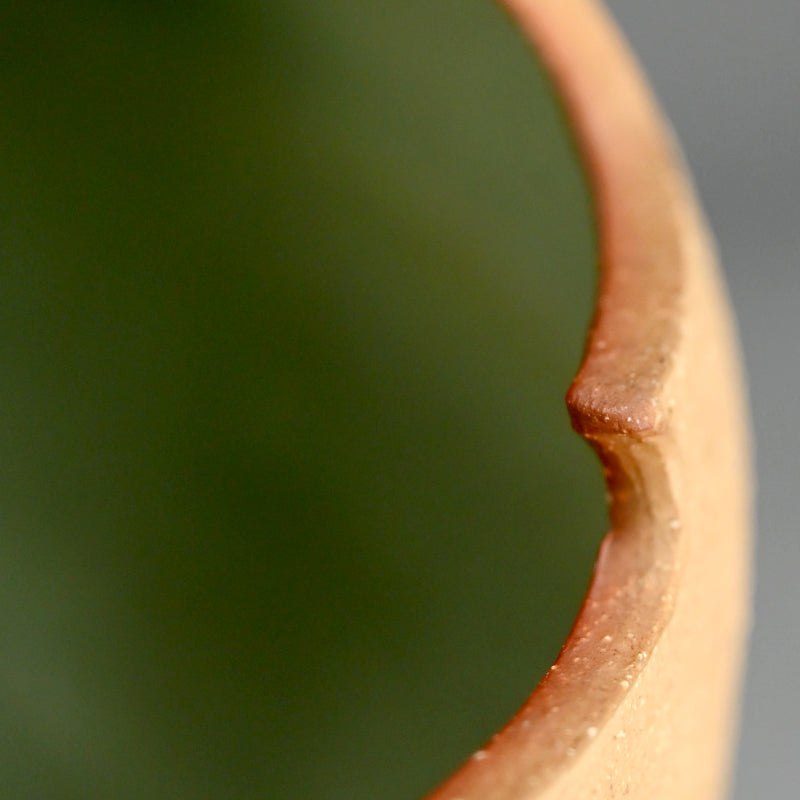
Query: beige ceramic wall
[726, 73]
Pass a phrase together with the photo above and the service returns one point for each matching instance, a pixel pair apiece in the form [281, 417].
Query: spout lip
[672, 573]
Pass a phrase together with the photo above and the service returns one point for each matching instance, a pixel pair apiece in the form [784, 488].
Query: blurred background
[726, 73]
[291, 294]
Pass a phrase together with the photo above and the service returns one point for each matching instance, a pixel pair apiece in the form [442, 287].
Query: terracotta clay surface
[642, 701]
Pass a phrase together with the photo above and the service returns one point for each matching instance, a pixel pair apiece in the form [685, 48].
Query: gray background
[727, 74]
[291, 293]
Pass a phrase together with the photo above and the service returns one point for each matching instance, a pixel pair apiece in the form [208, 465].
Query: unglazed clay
[642, 701]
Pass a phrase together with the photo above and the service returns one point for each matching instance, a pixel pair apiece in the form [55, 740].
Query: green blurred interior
[291, 293]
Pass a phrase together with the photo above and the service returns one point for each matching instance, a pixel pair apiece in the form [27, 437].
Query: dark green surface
[290, 294]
